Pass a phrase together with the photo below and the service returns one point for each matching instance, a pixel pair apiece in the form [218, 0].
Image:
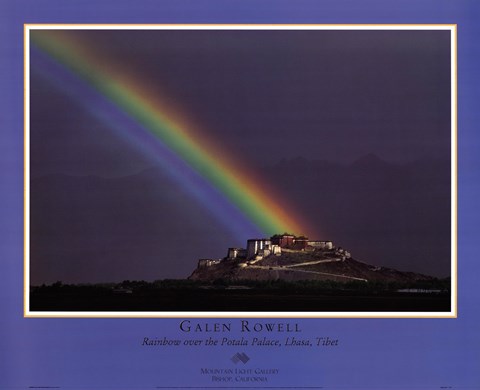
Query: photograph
[240, 169]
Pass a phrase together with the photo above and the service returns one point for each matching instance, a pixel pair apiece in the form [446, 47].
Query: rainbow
[171, 131]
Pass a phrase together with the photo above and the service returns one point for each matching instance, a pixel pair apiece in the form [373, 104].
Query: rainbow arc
[166, 126]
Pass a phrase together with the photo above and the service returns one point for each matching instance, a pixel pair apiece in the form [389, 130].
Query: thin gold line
[236, 315]
[455, 124]
[25, 32]
[453, 28]
[236, 25]
[220, 315]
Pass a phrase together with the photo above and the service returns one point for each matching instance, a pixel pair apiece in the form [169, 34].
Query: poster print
[202, 170]
[108, 352]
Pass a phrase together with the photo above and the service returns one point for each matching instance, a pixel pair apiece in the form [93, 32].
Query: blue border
[100, 353]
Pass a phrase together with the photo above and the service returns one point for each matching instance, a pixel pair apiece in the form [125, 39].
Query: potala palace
[259, 248]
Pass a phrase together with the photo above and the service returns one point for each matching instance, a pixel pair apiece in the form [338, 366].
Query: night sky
[353, 127]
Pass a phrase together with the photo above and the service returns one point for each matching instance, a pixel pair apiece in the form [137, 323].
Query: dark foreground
[235, 298]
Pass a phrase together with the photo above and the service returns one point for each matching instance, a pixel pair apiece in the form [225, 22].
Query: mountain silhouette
[141, 226]
[395, 215]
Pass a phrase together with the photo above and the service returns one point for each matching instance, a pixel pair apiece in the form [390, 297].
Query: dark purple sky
[267, 96]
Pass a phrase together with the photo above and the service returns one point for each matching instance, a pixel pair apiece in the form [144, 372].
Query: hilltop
[289, 258]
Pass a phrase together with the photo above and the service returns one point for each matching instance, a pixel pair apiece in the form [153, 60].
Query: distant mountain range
[395, 215]
[141, 226]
